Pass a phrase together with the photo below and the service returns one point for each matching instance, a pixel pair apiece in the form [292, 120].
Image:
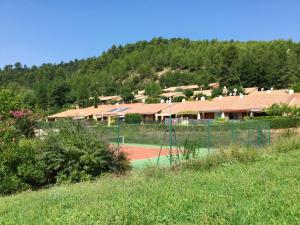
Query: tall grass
[289, 141]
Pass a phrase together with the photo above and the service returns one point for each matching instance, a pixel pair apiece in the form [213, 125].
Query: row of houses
[231, 107]
[170, 92]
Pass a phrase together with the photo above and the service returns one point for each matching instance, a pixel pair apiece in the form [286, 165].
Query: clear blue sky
[38, 31]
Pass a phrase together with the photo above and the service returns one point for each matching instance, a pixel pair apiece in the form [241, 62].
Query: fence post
[118, 133]
[208, 136]
[232, 133]
[258, 136]
[269, 138]
[170, 137]
[248, 135]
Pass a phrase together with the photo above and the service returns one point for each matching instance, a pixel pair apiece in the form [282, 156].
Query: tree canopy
[166, 62]
[8, 102]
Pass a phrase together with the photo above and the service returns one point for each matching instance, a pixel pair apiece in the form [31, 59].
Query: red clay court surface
[141, 152]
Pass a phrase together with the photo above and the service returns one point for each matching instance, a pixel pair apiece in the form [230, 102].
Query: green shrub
[133, 118]
[151, 100]
[216, 92]
[153, 89]
[296, 87]
[178, 99]
[8, 133]
[21, 167]
[188, 93]
[282, 110]
[76, 153]
[280, 122]
[190, 147]
[8, 102]
[73, 154]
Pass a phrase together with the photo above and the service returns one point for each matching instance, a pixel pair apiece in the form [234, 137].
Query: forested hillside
[169, 62]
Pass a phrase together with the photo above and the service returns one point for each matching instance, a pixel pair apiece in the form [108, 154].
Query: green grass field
[260, 188]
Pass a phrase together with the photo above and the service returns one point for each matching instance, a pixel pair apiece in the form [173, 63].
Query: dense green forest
[123, 69]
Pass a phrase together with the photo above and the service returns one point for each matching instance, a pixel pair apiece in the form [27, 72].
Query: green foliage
[133, 118]
[151, 100]
[153, 89]
[8, 102]
[229, 73]
[126, 94]
[190, 147]
[282, 110]
[172, 79]
[178, 99]
[216, 92]
[76, 154]
[95, 101]
[279, 122]
[58, 93]
[24, 122]
[72, 154]
[188, 93]
[21, 167]
[239, 90]
[219, 91]
[8, 133]
[296, 87]
[222, 120]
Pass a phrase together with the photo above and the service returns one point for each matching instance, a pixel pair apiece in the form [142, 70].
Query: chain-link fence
[209, 134]
[203, 136]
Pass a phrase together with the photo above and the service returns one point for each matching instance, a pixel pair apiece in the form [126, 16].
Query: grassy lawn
[266, 191]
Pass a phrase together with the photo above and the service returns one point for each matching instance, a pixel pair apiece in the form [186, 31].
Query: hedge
[133, 118]
[280, 122]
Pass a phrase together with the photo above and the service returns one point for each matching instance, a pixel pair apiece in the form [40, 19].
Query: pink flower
[17, 114]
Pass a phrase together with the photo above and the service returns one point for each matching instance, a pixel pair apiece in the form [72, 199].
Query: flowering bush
[24, 122]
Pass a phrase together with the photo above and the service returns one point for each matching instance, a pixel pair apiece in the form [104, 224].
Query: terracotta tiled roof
[81, 112]
[193, 86]
[205, 92]
[107, 98]
[65, 114]
[172, 94]
[232, 103]
[142, 92]
[268, 92]
[146, 109]
[172, 89]
[252, 102]
[250, 90]
[140, 108]
[121, 109]
[211, 85]
[140, 97]
[296, 100]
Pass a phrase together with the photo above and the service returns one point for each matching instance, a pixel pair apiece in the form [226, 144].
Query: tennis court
[140, 151]
[142, 142]
[142, 155]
